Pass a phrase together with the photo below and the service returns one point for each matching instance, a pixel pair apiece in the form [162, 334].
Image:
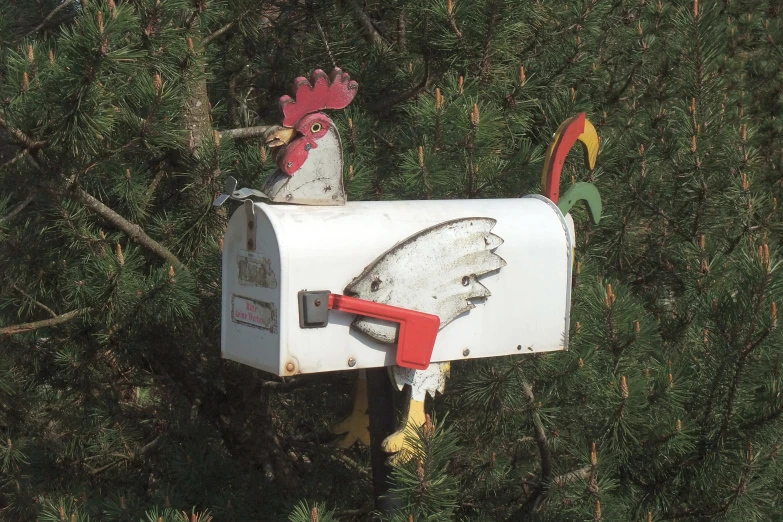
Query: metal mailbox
[272, 252]
[314, 283]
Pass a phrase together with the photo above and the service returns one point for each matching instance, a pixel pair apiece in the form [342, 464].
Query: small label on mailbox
[252, 312]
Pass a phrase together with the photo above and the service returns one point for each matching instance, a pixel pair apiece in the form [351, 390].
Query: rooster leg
[356, 425]
[414, 418]
[420, 383]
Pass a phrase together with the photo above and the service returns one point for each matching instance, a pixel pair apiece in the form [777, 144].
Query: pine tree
[121, 119]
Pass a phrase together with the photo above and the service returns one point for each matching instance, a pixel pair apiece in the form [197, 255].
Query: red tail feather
[321, 92]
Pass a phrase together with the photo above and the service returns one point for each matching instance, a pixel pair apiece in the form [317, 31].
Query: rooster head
[310, 152]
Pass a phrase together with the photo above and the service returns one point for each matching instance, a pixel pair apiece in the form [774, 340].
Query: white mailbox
[313, 283]
[272, 252]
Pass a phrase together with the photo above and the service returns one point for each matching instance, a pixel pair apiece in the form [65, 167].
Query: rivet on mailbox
[420, 280]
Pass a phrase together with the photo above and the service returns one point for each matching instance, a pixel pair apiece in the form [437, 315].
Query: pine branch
[49, 17]
[616, 96]
[324, 40]
[340, 457]
[190, 19]
[333, 454]
[540, 436]
[402, 41]
[144, 450]
[217, 34]
[371, 32]
[749, 346]
[243, 133]
[735, 381]
[37, 303]
[22, 154]
[154, 185]
[388, 103]
[17, 209]
[755, 423]
[484, 64]
[21, 138]
[16, 329]
[453, 26]
[362, 513]
[573, 476]
[135, 232]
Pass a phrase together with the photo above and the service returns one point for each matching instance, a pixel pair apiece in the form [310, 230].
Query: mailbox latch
[416, 337]
[314, 309]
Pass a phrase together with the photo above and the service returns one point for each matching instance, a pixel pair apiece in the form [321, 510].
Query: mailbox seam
[274, 225]
[569, 259]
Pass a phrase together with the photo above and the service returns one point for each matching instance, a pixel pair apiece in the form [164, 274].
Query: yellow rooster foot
[356, 425]
[398, 442]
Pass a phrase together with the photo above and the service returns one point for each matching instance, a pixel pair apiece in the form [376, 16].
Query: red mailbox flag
[417, 334]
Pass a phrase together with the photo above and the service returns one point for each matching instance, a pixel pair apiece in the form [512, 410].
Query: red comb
[320, 92]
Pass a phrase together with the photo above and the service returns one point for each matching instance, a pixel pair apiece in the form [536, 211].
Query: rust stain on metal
[290, 367]
[255, 313]
[256, 272]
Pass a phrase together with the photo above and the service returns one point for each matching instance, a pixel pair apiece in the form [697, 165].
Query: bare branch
[369, 28]
[16, 329]
[209, 39]
[246, 132]
[363, 513]
[333, 454]
[284, 386]
[453, 25]
[49, 17]
[540, 436]
[36, 303]
[340, 457]
[573, 476]
[135, 232]
[324, 40]
[154, 185]
[21, 138]
[17, 209]
[402, 40]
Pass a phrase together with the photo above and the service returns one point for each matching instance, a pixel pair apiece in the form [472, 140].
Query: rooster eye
[315, 128]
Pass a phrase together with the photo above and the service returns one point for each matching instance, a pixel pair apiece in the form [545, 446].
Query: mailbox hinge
[416, 337]
[250, 215]
[230, 192]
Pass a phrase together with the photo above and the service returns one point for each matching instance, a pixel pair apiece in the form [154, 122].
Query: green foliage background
[114, 403]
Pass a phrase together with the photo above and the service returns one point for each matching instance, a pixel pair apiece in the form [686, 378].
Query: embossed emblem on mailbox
[256, 270]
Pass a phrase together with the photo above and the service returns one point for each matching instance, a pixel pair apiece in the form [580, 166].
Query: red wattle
[293, 157]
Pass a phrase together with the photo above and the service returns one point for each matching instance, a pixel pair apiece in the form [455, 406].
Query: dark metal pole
[380, 406]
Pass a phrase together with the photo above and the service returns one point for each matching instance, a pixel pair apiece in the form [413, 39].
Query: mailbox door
[251, 327]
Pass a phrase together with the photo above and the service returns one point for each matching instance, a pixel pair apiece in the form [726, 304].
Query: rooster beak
[279, 136]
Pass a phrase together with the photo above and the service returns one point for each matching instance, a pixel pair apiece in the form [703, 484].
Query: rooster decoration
[415, 288]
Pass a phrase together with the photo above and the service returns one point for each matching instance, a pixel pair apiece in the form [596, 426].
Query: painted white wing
[435, 271]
